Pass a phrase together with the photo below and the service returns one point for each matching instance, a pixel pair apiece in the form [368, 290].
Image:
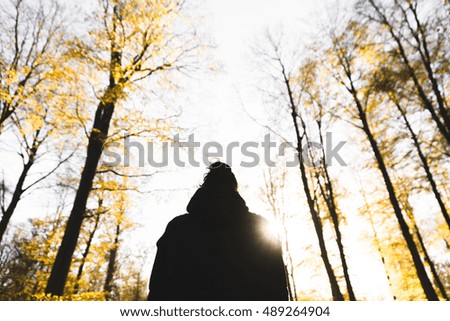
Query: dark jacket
[219, 251]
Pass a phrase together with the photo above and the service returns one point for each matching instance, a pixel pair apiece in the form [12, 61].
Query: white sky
[217, 104]
[217, 111]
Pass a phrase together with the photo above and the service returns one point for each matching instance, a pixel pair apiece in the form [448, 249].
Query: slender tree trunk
[430, 262]
[112, 263]
[17, 194]
[98, 135]
[329, 197]
[87, 248]
[272, 197]
[420, 268]
[290, 269]
[410, 214]
[425, 166]
[335, 290]
[60, 270]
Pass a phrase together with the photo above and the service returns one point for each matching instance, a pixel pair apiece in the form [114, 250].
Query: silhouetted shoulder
[177, 224]
[178, 221]
[258, 219]
[264, 226]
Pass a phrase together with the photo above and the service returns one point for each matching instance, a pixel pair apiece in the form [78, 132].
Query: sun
[273, 229]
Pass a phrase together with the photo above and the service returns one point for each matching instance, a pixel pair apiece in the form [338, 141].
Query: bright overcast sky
[217, 106]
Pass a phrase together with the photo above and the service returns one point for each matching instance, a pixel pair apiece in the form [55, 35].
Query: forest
[77, 81]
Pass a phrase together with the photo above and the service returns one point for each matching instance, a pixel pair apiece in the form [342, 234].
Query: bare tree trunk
[290, 270]
[328, 195]
[410, 213]
[345, 63]
[272, 197]
[425, 165]
[420, 268]
[60, 270]
[87, 248]
[335, 290]
[112, 262]
[431, 264]
[98, 135]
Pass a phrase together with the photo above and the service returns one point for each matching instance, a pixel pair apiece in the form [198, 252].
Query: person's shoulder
[179, 221]
[258, 219]
[265, 228]
[173, 228]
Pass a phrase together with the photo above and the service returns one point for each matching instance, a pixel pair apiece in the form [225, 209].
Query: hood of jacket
[217, 205]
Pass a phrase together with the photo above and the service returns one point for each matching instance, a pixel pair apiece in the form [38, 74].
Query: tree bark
[430, 262]
[87, 249]
[410, 214]
[418, 264]
[61, 266]
[425, 166]
[335, 290]
[112, 263]
[98, 135]
[329, 197]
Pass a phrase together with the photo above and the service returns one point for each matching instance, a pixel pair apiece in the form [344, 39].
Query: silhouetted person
[218, 251]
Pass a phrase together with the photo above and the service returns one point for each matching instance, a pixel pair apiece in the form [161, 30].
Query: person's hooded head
[217, 198]
[220, 177]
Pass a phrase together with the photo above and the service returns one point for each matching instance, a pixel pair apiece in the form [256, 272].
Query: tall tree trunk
[88, 247]
[315, 216]
[425, 165]
[410, 214]
[98, 135]
[335, 290]
[290, 270]
[112, 262]
[418, 264]
[431, 264]
[61, 266]
[328, 194]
